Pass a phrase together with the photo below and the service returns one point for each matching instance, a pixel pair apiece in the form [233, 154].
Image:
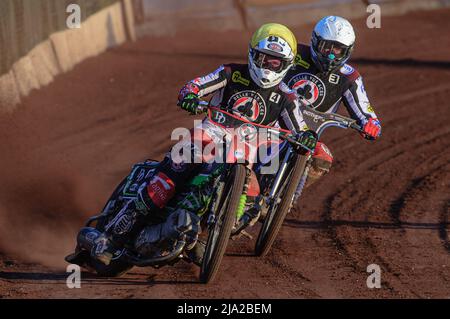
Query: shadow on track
[87, 278]
[249, 254]
[444, 228]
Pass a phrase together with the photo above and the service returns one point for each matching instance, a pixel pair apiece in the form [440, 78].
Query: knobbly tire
[220, 232]
[277, 212]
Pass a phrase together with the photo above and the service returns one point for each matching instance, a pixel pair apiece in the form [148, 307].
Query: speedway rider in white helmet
[323, 79]
[254, 91]
[332, 43]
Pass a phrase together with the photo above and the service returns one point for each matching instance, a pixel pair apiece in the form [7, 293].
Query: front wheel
[220, 232]
[280, 207]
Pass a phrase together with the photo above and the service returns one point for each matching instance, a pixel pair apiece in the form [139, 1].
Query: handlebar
[203, 108]
[319, 121]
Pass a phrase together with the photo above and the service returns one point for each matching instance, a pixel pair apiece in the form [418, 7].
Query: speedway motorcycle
[230, 180]
[281, 189]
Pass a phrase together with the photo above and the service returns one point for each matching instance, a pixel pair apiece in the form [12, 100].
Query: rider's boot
[151, 199]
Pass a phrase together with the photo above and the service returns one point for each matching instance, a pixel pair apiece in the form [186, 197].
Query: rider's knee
[321, 163]
[155, 194]
[253, 187]
[322, 158]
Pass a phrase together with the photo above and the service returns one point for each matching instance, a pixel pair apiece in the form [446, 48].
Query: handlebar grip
[203, 106]
[294, 141]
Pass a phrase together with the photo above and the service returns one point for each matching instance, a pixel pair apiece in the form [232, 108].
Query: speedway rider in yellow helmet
[252, 90]
[272, 50]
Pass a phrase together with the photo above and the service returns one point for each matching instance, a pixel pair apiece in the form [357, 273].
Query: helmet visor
[269, 62]
[332, 50]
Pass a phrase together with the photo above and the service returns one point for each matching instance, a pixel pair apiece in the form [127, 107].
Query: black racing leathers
[235, 91]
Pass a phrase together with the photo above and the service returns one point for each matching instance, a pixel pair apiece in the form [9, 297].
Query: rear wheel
[220, 232]
[280, 207]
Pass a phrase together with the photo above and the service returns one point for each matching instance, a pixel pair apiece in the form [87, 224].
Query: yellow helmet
[273, 48]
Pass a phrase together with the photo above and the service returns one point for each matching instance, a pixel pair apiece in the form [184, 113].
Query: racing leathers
[324, 92]
[234, 91]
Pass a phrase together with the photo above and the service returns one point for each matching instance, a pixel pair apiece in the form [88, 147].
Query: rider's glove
[190, 103]
[372, 129]
[308, 139]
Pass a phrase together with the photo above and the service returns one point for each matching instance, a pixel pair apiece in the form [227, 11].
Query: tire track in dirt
[401, 150]
[381, 156]
[444, 226]
[358, 198]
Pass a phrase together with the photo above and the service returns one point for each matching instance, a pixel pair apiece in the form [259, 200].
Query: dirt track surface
[385, 203]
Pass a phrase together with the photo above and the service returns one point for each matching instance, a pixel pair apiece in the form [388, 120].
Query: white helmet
[332, 43]
[272, 50]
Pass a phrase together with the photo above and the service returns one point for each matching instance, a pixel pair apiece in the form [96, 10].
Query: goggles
[269, 62]
[332, 50]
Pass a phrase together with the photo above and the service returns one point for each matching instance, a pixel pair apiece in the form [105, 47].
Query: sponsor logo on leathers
[309, 87]
[249, 104]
